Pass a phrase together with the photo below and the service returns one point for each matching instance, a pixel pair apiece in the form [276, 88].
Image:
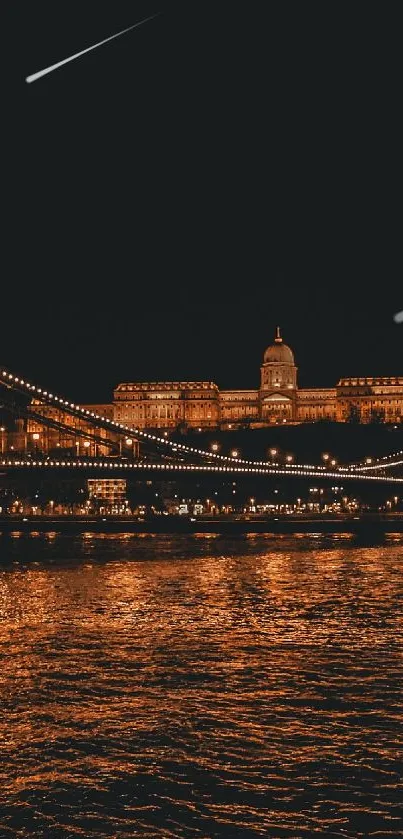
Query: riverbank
[219, 524]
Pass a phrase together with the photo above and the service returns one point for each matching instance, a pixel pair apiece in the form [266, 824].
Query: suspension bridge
[151, 453]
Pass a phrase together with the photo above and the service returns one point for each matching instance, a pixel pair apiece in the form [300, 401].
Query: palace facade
[168, 405]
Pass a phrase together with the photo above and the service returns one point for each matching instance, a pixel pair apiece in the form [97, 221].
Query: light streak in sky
[34, 76]
[398, 318]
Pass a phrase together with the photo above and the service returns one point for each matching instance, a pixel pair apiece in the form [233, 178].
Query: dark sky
[175, 194]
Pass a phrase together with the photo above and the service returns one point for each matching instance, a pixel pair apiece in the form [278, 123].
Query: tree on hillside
[354, 414]
[377, 416]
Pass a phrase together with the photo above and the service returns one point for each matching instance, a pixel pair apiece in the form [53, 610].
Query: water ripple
[189, 687]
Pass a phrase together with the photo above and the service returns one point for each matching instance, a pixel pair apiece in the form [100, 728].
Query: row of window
[375, 402]
[383, 380]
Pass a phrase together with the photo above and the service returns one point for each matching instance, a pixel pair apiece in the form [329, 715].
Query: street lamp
[289, 458]
[214, 447]
[86, 446]
[35, 438]
[129, 442]
[2, 429]
[234, 453]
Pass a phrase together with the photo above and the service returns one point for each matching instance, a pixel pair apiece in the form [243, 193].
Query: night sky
[176, 194]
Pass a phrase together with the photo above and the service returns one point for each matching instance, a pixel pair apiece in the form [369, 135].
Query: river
[200, 686]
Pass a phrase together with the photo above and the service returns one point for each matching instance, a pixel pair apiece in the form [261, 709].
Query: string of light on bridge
[382, 462]
[291, 468]
[183, 467]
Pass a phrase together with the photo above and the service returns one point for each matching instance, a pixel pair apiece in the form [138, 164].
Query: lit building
[276, 399]
[166, 405]
[39, 437]
[109, 492]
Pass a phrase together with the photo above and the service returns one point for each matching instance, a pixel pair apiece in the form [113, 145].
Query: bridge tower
[278, 383]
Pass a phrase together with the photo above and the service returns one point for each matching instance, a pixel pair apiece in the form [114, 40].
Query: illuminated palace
[201, 405]
[278, 399]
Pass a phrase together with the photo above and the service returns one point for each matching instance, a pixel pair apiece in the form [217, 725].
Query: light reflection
[271, 667]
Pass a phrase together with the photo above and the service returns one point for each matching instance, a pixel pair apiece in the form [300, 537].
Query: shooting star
[40, 73]
[398, 318]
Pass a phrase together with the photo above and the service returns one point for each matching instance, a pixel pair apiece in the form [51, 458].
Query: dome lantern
[278, 353]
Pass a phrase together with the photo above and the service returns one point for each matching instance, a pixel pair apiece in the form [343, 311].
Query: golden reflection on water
[188, 687]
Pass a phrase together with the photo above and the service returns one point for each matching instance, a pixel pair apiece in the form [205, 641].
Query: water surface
[200, 687]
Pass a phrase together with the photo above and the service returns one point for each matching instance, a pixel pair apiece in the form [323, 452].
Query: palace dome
[278, 352]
